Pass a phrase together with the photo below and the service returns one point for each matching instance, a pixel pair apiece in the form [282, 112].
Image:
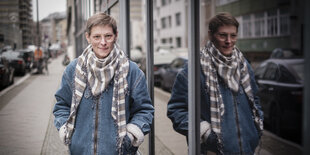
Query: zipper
[238, 125]
[96, 126]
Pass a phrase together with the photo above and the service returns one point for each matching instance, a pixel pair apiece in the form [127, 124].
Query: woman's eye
[223, 35]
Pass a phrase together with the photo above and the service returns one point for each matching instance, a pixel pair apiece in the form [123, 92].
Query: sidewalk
[25, 115]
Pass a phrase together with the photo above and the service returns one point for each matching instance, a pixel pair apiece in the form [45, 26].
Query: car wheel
[275, 122]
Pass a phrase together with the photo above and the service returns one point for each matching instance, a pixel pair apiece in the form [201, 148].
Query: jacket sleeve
[141, 108]
[177, 109]
[63, 100]
[255, 91]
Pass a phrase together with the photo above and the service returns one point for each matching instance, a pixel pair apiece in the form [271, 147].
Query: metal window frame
[194, 79]
[306, 106]
[149, 67]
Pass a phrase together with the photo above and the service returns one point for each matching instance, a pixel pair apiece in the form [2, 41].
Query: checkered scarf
[98, 74]
[232, 70]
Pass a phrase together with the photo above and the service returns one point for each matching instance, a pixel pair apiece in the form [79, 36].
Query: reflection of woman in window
[231, 115]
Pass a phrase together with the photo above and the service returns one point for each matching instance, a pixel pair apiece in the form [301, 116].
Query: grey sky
[47, 7]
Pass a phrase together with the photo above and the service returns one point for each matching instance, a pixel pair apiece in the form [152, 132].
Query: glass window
[178, 19]
[286, 76]
[178, 41]
[170, 40]
[223, 2]
[299, 70]
[284, 22]
[271, 72]
[246, 26]
[259, 72]
[272, 23]
[163, 22]
[169, 21]
[163, 41]
[177, 63]
[259, 25]
[163, 2]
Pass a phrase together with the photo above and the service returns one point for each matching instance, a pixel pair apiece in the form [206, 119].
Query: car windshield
[299, 69]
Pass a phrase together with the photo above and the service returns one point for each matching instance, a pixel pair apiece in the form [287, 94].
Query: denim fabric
[178, 113]
[139, 111]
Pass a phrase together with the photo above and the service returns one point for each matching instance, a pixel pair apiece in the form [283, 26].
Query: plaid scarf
[232, 70]
[98, 74]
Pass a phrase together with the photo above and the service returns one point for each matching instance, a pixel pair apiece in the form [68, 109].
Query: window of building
[265, 24]
[284, 22]
[170, 41]
[246, 26]
[169, 21]
[223, 2]
[178, 42]
[259, 25]
[178, 19]
[163, 22]
[163, 2]
[272, 23]
[163, 41]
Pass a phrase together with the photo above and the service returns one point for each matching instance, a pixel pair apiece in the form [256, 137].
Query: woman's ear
[116, 36]
[210, 37]
[87, 36]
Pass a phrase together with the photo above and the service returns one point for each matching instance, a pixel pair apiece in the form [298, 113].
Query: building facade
[15, 23]
[53, 29]
[170, 24]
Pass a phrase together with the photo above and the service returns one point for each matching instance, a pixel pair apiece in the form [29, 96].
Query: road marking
[15, 84]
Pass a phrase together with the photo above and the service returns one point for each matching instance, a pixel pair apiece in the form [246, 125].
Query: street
[27, 121]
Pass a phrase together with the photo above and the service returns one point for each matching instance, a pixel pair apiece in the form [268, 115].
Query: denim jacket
[139, 111]
[237, 116]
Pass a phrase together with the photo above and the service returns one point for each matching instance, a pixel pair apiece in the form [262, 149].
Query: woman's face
[225, 39]
[102, 40]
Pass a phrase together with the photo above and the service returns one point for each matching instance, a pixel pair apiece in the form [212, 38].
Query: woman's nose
[228, 39]
[103, 41]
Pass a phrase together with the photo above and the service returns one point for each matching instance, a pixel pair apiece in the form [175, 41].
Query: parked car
[16, 61]
[6, 48]
[6, 73]
[280, 84]
[280, 53]
[28, 57]
[165, 76]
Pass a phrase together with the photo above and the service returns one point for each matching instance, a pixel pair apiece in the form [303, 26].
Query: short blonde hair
[222, 19]
[101, 19]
